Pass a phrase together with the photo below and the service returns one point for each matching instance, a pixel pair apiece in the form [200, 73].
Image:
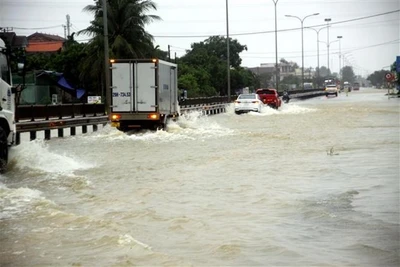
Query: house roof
[42, 42]
[44, 47]
[37, 36]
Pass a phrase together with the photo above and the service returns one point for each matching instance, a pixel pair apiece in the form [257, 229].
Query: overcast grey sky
[368, 44]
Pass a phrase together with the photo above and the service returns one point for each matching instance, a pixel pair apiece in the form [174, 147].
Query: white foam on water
[36, 155]
[127, 239]
[17, 200]
[284, 109]
[190, 126]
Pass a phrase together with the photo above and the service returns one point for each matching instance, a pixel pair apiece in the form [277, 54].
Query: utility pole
[68, 26]
[169, 52]
[228, 63]
[65, 31]
[107, 86]
[327, 43]
[340, 58]
[276, 50]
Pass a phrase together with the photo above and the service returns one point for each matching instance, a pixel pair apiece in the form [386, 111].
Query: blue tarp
[63, 83]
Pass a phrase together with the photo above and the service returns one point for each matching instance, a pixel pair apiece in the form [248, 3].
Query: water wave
[36, 155]
[190, 126]
[14, 202]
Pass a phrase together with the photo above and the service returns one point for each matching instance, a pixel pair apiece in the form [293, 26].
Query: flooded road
[315, 183]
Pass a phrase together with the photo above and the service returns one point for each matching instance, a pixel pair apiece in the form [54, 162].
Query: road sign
[389, 77]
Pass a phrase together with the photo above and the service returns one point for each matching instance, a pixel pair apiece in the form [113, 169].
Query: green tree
[377, 78]
[323, 71]
[210, 57]
[127, 36]
[287, 81]
[348, 74]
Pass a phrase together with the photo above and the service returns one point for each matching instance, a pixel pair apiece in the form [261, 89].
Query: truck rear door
[145, 87]
[122, 85]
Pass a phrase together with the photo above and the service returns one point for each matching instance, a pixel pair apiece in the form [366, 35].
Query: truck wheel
[3, 150]
[160, 127]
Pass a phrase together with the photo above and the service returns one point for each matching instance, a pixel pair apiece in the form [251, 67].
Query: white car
[248, 102]
[331, 89]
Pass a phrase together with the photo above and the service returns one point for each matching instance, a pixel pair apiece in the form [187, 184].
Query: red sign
[389, 77]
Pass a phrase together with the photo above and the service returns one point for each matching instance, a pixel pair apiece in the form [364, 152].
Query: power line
[272, 31]
[41, 28]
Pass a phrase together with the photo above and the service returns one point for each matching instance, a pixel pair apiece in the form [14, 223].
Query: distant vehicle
[308, 86]
[356, 86]
[331, 89]
[347, 87]
[248, 102]
[286, 96]
[269, 97]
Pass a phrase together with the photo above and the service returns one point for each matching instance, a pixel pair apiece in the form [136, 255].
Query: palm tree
[126, 33]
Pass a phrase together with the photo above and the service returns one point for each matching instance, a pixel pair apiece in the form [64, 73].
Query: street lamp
[302, 43]
[340, 57]
[327, 43]
[228, 52]
[317, 31]
[276, 49]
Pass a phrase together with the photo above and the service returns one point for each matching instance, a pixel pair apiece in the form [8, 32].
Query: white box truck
[144, 93]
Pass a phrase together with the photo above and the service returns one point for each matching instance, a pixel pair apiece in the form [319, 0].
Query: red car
[270, 97]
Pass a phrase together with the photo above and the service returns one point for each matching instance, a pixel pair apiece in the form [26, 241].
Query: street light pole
[317, 31]
[228, 64]
[302, 43]
[340, 57]
[327, 43]
[276, 49]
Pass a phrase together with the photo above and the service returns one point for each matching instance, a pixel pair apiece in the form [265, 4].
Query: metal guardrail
[33, 118]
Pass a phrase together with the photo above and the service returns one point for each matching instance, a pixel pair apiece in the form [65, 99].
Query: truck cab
[7, 106]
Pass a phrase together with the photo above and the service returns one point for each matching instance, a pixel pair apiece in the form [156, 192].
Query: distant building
[285, 69]
[44, 43]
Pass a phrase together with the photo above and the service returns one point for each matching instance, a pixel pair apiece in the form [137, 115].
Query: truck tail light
[152, 116]
[115, 117]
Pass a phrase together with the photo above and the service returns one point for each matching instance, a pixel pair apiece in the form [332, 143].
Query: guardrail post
[47, 135]
[84, 128]
[95, 128]
[73, 130]
[60, 132]
[33, 135]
